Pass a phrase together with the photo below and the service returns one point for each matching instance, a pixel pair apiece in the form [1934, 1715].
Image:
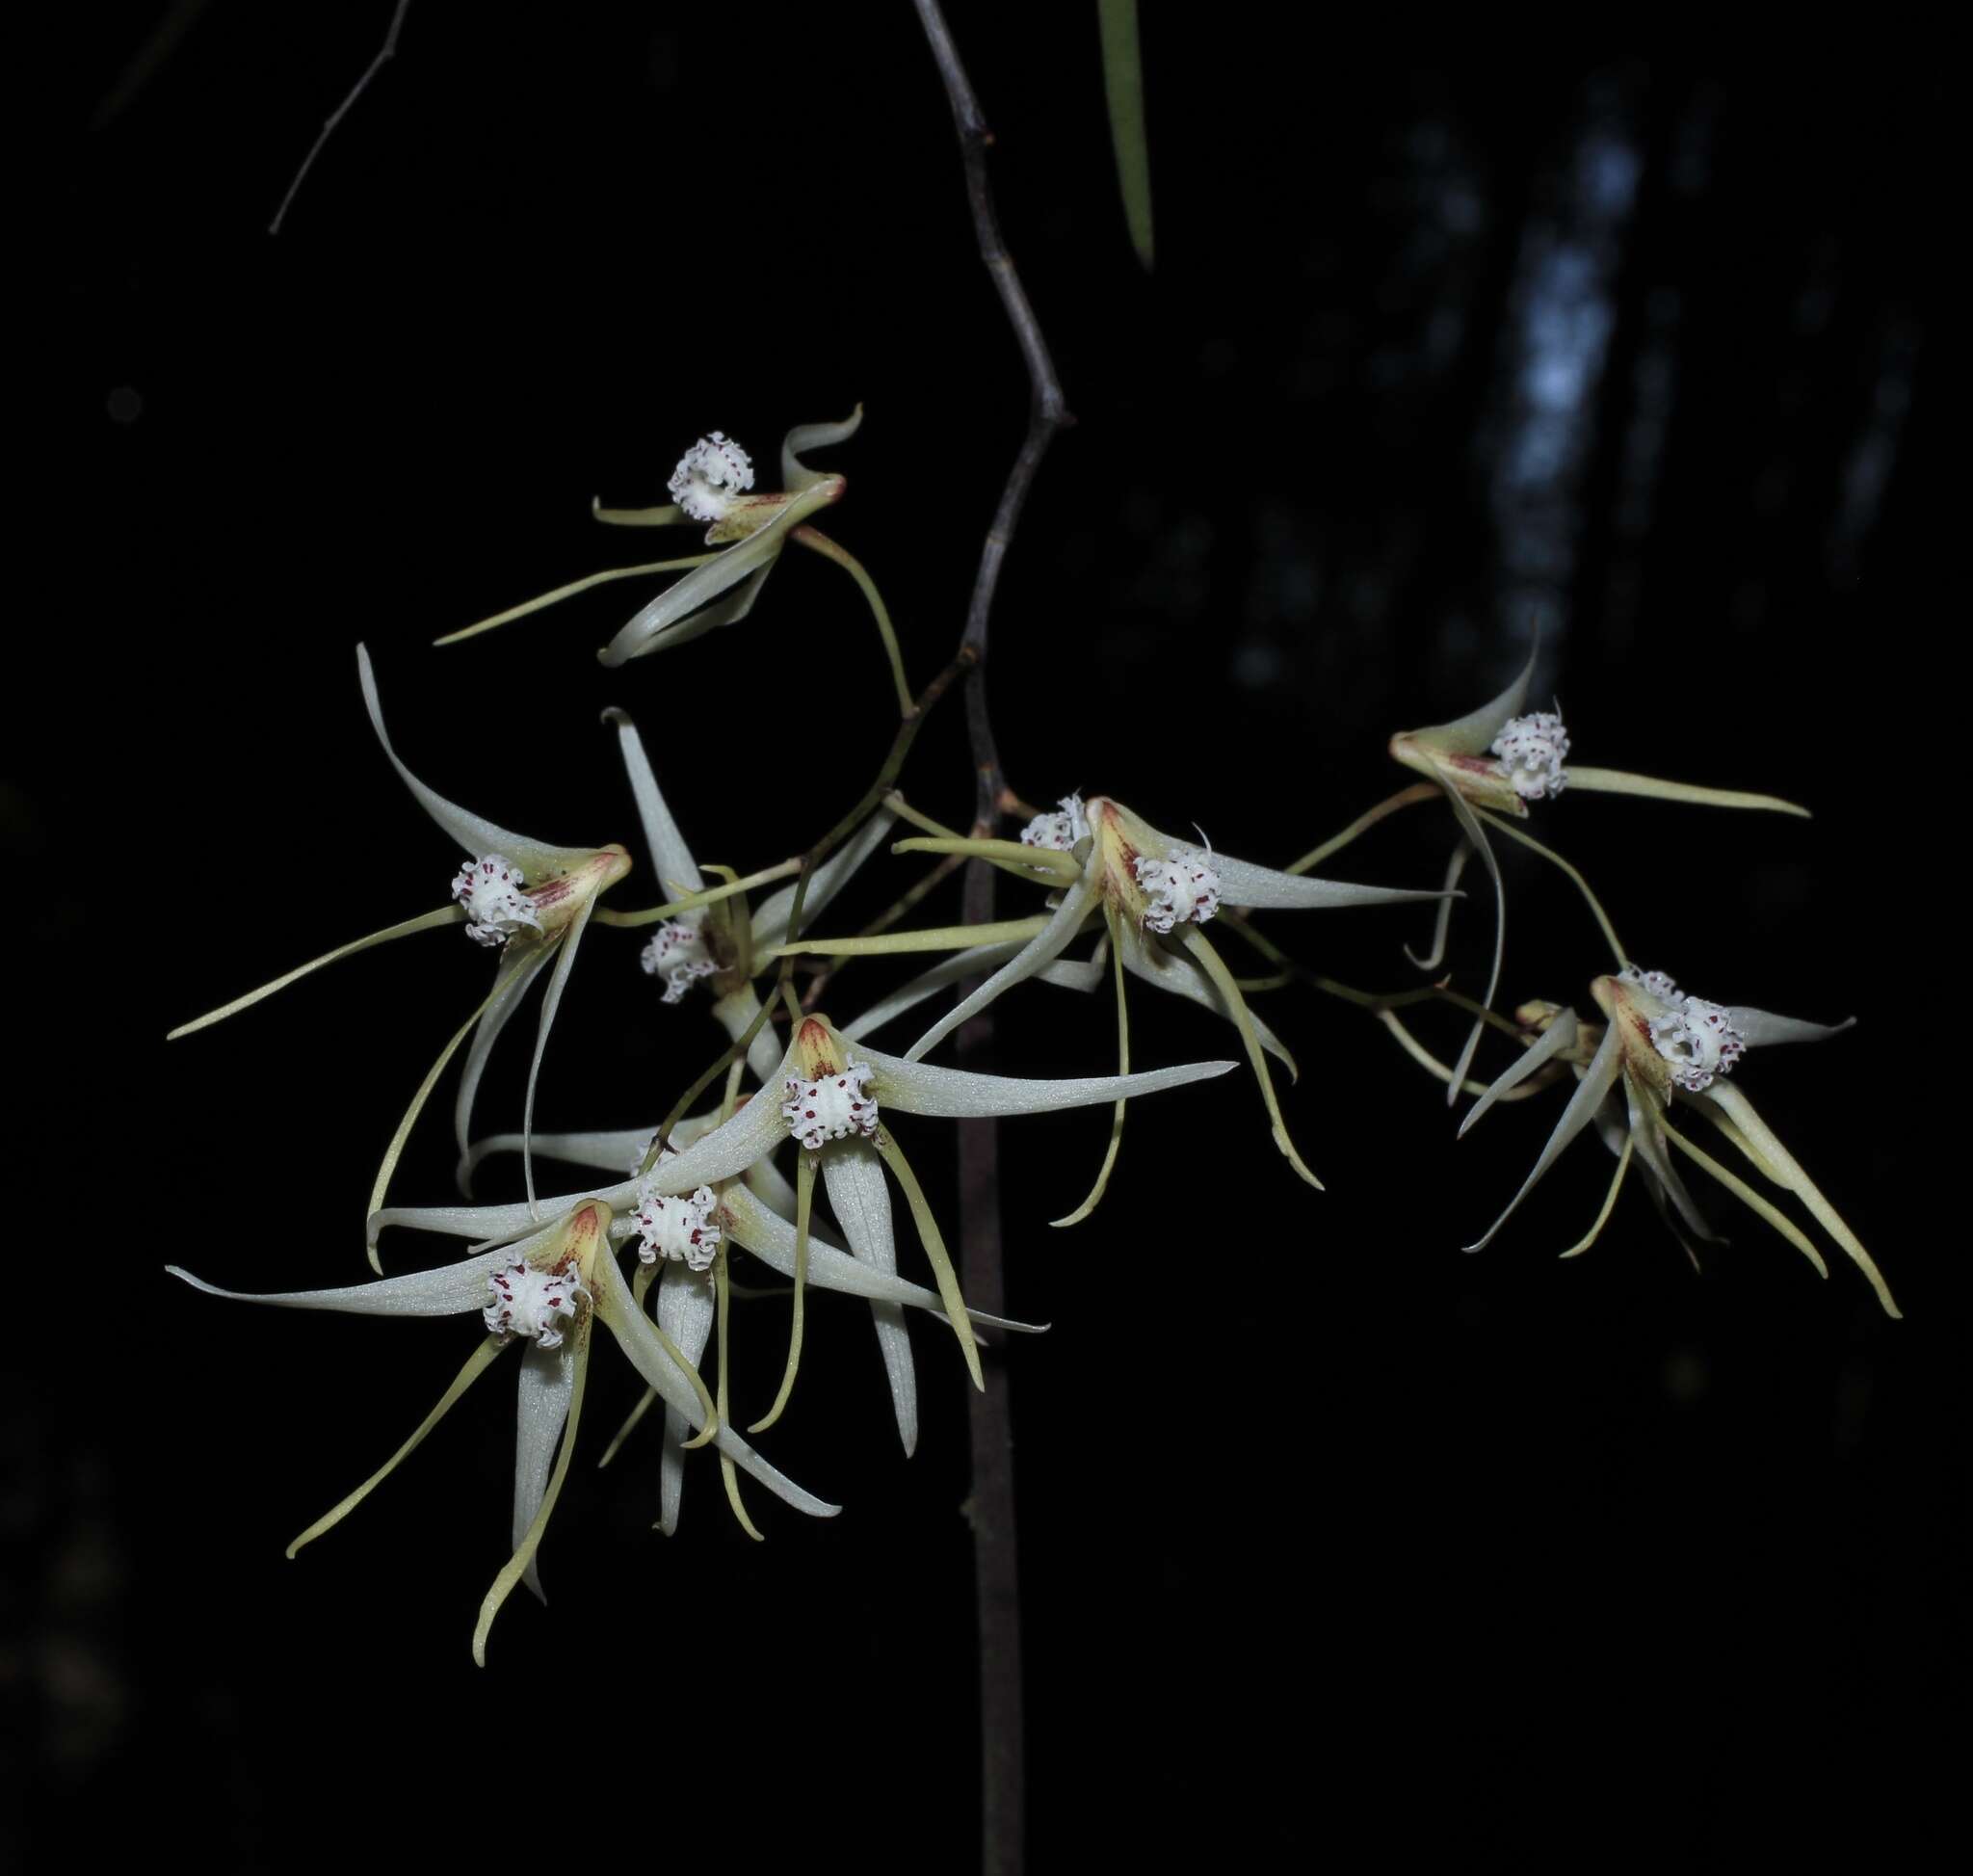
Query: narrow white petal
[754, 1133]
[1761, 1027]
[520, 964]
[771, 917]
[685, 1314]
[950, 1093]
[861, 1203]
[551, 1001]
[638, 1337]
[611, 1151]
[1262, 889]
[670, 615]
[1596, 1083]
[771, 1238]
[671, 857]
[1649, 1140]
[1558, 1035]
[1040, 950]
[1473, 733]
[474, 834]
[1767, 1145]
[449, 1290]
[981, 960]
[497, 1224]
[805, 437]
[547, 1379]
[1176, 972]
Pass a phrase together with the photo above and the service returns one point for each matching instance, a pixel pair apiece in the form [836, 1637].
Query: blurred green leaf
[1124, 87]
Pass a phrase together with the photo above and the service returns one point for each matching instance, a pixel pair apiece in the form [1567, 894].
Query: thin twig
[990, 1508]
[386, 54]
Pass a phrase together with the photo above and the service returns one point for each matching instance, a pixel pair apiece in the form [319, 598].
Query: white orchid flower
[1665, 1049]
[683, 1243]
[723, 944]
[830, 1098]
[1489, 765]
[545, 1291]
[1151, 893]
[529, 901]
[713, 485]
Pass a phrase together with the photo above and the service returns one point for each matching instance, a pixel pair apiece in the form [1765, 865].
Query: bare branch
[990, 1507]
[386, 54]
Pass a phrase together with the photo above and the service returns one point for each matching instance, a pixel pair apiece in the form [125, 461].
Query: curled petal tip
[615, 718]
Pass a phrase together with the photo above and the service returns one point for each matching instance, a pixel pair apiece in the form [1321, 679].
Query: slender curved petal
[1760, 1028]
[638, 1337]
[671, 615]
[1177, 972]
[796, 474]
[1649, 1138]
[1596, 1082]
[551, 1001]
[1560, 1034]
[861, 1203]
[754, 1131]
[1762, 1138]
[492, 1225]
[978, 961]
[771, 1238]
[1473, 733]
[1261, 889]
[1043, 948]
[425, 921]
[449, 1290]
[612, 1150]
[685, 1314]
[520, 965]
[547, 1379]
[474, 834]
[952, 1094]
[669, 853]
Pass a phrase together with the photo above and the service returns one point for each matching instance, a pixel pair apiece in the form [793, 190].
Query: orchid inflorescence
[797, 1102]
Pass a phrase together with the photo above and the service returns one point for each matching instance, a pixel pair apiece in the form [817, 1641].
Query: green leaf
[1123, 89]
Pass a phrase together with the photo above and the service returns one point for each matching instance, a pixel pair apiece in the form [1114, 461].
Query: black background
[1330, 1534]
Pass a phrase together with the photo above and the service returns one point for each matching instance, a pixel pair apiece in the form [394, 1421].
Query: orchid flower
[831, 1096]
[1489, 764]
[529, 901]
[544, 1290]
[684, 1243]
[713, 485]
[1665, 1049]
[1153, 895]
[721, 944]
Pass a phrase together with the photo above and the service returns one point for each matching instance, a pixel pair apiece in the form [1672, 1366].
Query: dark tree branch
[990, 1508]
[387, 53]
